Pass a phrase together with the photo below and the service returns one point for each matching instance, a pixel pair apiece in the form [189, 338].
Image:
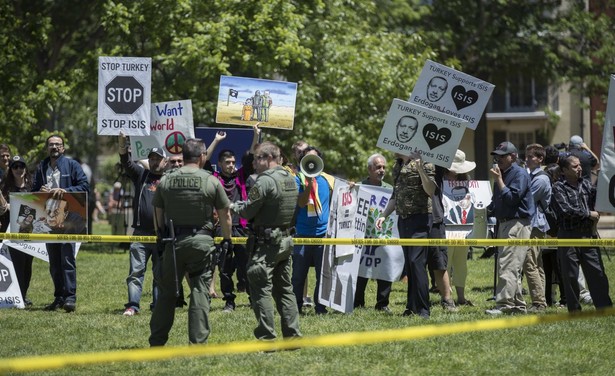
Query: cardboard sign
[10, 294]
[461, 198]
[40, 213]
[171, 126]
[449, 91]
[247, 101]
[409, 128]
[124, 95]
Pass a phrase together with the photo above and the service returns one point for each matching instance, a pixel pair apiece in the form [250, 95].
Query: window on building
[520, 94]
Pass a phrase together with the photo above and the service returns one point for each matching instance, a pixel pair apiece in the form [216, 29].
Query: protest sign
[605, 194]
[449, 91]
[247, 101]
[385, 262]
[171, 125]
[41, 213]
[461, 197]
[340, 264]
[409, 128]
[10, 294]
[353, 214]
[238, 140]
[124, 92]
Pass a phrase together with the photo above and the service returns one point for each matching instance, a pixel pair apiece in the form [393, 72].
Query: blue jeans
[139, 255]
[63, 270]
[305, 256]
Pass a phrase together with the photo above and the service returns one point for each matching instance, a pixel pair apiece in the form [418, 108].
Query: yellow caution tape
[330, 241]
[40, 363]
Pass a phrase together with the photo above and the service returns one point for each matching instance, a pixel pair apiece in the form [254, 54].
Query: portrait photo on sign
[452, 92]
[409, 129]
[247, 101]
[460, 199]
[42, 213]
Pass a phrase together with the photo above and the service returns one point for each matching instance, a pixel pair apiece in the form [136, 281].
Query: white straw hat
[460, 165]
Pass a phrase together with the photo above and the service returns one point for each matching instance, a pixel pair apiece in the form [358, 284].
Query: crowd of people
[185, 203]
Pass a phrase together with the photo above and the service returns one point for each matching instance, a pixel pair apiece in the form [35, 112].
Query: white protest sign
[409, 128]
[38, 250]
[124, 95]
[385, 262]
[452, 92]
[171, 125]
[10, 294]
[338, 276]
[460, 198]
[605, 194]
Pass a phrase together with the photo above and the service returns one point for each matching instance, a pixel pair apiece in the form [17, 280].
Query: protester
[145, 183]
[540, 186]
[270, 208]
[17, 180]
[457, 268]
[513, 207]
[589, 160]
[574, 198]
[5, 157]
[190, 211]
[175, 161]
[312, 219]
[57, 174]
[376, 169]
[413, 189]
[234, 182]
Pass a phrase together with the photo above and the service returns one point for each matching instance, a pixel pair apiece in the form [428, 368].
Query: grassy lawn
[565, 348]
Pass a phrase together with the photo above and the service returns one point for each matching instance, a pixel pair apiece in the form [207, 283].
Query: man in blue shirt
[513, 207]
[57, 175]
[311, 222]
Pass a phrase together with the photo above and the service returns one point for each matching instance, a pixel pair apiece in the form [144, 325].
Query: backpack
[550, 213]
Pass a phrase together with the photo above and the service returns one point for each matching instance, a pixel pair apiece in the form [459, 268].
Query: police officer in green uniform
[270, 208]
[188, 197]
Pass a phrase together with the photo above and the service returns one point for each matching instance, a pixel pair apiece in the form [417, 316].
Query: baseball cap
[159, 151]
[17, 159]
[576, 140]
[504, 148]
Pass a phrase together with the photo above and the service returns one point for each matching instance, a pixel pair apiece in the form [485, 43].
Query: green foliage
[98, 326]
[350, 58]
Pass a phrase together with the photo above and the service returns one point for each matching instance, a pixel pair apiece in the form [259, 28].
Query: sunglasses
[18, 167]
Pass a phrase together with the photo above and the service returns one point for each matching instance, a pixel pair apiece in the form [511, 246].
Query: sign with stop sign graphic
[10, 294]
[124, 95]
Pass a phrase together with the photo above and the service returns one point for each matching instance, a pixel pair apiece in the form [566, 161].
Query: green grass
[565, 348]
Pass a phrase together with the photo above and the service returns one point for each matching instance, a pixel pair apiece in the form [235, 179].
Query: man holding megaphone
[315, 189]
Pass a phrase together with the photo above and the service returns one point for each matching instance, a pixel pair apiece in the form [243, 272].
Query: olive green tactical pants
[269, 276]
[194, 255]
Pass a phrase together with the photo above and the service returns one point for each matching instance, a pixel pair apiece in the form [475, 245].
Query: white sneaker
[307, 302]
[494, 312]
[130, 311]
[587, 299]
